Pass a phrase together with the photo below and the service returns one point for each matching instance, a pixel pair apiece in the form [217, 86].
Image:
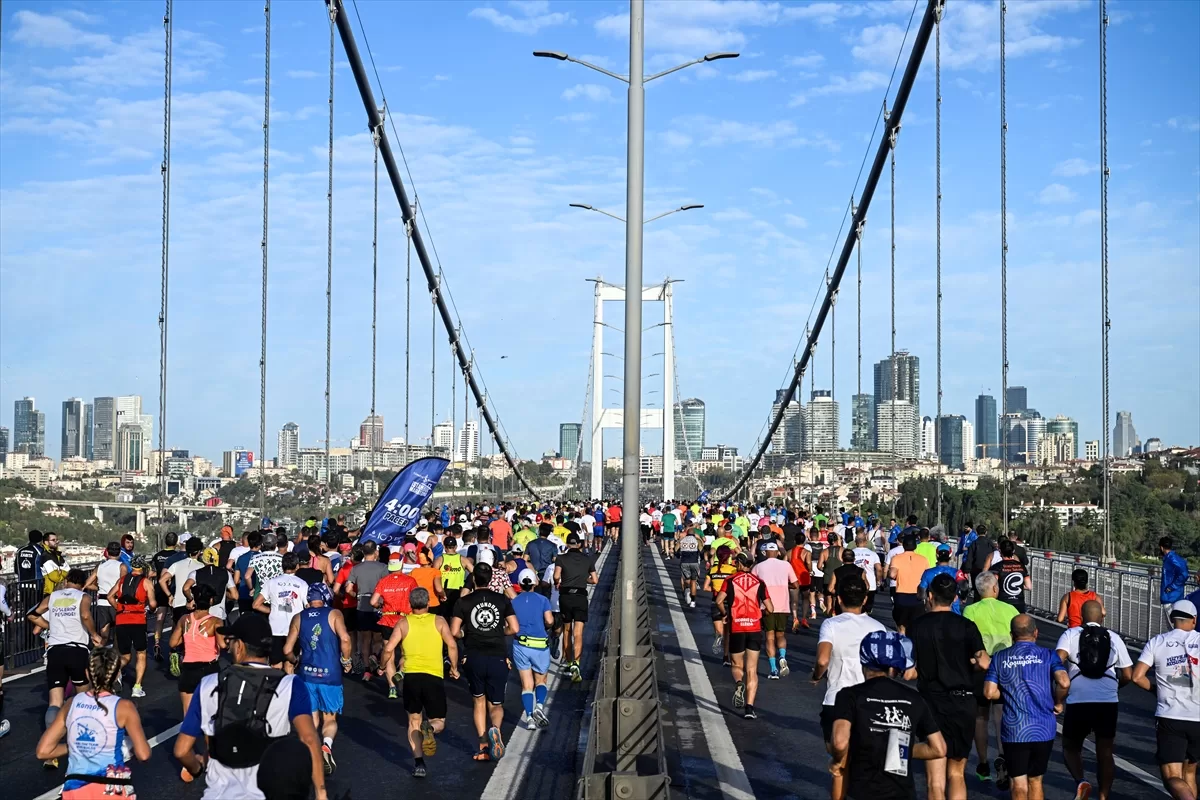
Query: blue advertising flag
[399, 506]
[703, 498]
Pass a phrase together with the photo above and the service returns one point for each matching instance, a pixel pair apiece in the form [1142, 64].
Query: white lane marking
[509, 775]
[730, 773]
[33, 671]
[166, 735]
[1134, 770]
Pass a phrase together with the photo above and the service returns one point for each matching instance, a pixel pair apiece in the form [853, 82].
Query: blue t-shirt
[243, 566]
[942, 569]
[530, 608]
[1025, 675]
[893, 535]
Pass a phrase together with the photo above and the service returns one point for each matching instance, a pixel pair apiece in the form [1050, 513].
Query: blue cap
[320, 591]
[943, 546]
[884, 650]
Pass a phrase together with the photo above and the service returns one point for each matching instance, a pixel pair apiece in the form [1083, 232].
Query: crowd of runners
[265, 628]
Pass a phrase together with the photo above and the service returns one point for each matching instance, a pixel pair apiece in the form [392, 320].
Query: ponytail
[104, 664]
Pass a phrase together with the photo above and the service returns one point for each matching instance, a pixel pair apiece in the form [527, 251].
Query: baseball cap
[573, 538]
[943, 548]
[517, 548]
[410, 547]
[424, 523]
[183, 537]
[395, 562]
[771, 547]
[462, 517]
[884, 650]
[320, 591]
[1183, 609]
[253, 629]
[527, 576]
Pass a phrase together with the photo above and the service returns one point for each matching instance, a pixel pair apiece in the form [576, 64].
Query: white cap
[183, 537]
[1183, 608]
[424, 523]
[771, 547]
[462, 517]
[527, 576]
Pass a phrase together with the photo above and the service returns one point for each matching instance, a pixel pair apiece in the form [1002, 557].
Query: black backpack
[240, 729]
[1095, 647]
[129, 587]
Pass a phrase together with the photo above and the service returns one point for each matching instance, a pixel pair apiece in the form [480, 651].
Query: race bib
[896, 760]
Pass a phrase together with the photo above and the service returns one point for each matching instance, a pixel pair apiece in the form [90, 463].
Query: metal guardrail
[22, 645]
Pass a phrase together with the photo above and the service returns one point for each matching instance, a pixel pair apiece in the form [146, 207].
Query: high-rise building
[862, 422]
[1091, 450]
[789, 436]
[986, 428]
[953, 432]
[1022, 432]
[3, 443]
[968, 437]
[569, 436]
[1153, 444]
[1124, 436]
[689, 429]
[128, 411]
[88, 424]
[131, 447]
[468, 442]
[443, 436]
[288, 446]
[1064, 426]
[1035, 432]
[898, 377]
[821, 423]
[29, 428]
[72, 443]
[929, 438]
[895, 421]
[1018, 399]
[370, 432]
[104, 427]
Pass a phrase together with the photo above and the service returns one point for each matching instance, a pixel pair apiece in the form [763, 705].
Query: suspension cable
[894, 367]
[937, 82]
[433, 373]
[868, 444]
[1105, 322]
[375, 295]
[1004, 273]
[329, 270]
[832, 350]
[166, 252]
[408, 342]
[262, 359]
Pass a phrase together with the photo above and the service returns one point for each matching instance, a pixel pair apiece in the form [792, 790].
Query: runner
[104, 577]
[453, 575]
[70, 631]
[96, 726]
[482, 618]
[800, 557]
[282, 598]
[906, 570]
[612, 521]
[1014, 578]
[217, 578]
[5, 618]
[714, 581]
[573, 572]
[241, 569]
[828, 562]
[668, 524]
[1070, 606]
[944, 567]
[172, 582]
[159, 563]
[131, 597]
[866, 558]
[689, 564]
[362, 581]
[531, 648]
[393, 598]
[783, 589]
[195, 633]
[994, 620]
[319, 644]
[743, 597]
[1175, 657]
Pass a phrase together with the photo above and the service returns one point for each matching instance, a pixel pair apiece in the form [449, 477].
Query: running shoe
[366, 675]
[983, 772]
[428, 743]
[186, 776]
[749, 713]
[4, 727]
[773, 675]
[739, 694]
[50, 763]
[175, 665]
[540, 717]
[392, 693]
[1083, 791]
[327, 757]
[398, 678]
[138, 691]
[554, 646]
[527, 722]
[576, 676]
[687, 597]
[692, 604]
[418, 771]
[727, 663]
[784, 669]
[717, 647]
[1002, 780]
[495, 744]
[373, 664]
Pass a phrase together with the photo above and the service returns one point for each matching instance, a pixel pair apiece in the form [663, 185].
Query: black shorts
[1029, 759]
[277, 643]
[190, 673]
[827, 723]
[574, 607]
[717, 613]
[906, 608]
[66, 662]
[741, 642]
[161, 598]
[870, 604]
[1080, 719]
[446, 609]
[487, 676]
[424, 693]
[245, 605]
[103, 615]
[350, 617]
[1178, 740]
[955, 715]
[131, 638]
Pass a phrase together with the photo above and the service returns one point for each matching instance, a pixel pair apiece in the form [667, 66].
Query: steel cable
[1105, 322]
[937, 82]
[262, 360]
[329, 270]
[1004, 274]
[166, 261]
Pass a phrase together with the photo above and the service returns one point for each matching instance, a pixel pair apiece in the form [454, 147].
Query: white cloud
[699, 26]
[589, 91]
[795, 221]
[1074, 167]
[720, 132]
[675, 140]
[731, 215]
[862, 81]
[751, 75]
[810, 61]
[520, 141]
[578, 116]
[1183, 123]
[534, 17]
[441, 77]
[303, 74]
[1055, 194]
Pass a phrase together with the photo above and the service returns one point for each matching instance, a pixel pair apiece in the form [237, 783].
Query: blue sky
[499, 143]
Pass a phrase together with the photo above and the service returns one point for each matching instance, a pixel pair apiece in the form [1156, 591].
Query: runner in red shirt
[391, 598]
[612, 521]
[501, 532]
[745, 597]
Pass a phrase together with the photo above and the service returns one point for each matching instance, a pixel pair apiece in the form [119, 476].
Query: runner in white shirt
[867, 559]
[282, 598]
[887, 563]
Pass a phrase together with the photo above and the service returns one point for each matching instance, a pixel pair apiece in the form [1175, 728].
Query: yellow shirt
[524, 536]
[423, 645]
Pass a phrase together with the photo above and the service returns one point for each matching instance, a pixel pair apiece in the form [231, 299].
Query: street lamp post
[634, 194]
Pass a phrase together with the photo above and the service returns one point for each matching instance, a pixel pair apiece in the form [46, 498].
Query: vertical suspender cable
[262, 359]
[329, 271]
[166, 251]
[1004, 275]
[937, 89]
[375, 290]
[832, 350]
[453, 389]
[408, 343]
[867, 445]
[893, 366]
[433, 377]
[1105, 322]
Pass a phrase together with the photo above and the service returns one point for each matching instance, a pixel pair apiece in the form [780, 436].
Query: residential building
[1064, 426]
[1018, 399]
[689, 423]
[288, 446]
[789, 436]
[862, 422]
[650, 466]
[104, 428]
[898, 377]
[467, 449]
[953, 433]
[1091, 450]
[1124, 436]
[72, 441]
[821, 422]
[443, 436]
[895, 422]
[29, 428]
[1068, 513]
[986, 427]
[370, 432]
[929, 438]
[569, 436]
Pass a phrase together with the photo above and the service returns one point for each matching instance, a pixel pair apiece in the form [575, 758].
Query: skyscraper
[689, 429]
[1124, 435]
[1035, 432]
[370, 432]
[821, 423]
[929, 438]
[789, 436]
[569, 435]
[104, 427]
[72, 429]
[131, 447]
[3, 443]
[88, 426]
[899, 380]
[1065, 426]
[29, 428]
[862, 422]
[1018, 399]
[288, 447]
[895, 421]
[953, 431]
[468, 442]
[128, 411]
[985, 427]
[443, 436]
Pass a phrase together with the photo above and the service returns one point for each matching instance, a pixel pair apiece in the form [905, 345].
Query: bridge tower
[603, 418]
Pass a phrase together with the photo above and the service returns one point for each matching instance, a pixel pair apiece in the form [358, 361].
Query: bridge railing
[22, 645]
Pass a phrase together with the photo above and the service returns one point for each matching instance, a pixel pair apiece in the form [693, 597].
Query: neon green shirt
[929, 550]
[994, 619]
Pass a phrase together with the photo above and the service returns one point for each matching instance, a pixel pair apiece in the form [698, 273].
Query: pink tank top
[199, 638]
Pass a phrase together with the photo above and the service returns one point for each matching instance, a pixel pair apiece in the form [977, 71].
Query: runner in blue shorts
[531, 648]
[320, 645]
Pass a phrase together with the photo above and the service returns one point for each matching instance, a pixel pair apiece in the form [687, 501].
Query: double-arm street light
[634, 196]
[587, 207]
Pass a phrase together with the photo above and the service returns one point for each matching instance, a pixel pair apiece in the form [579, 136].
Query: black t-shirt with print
[483, 613]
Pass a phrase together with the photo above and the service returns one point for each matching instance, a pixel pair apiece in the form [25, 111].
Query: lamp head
[556, 55]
